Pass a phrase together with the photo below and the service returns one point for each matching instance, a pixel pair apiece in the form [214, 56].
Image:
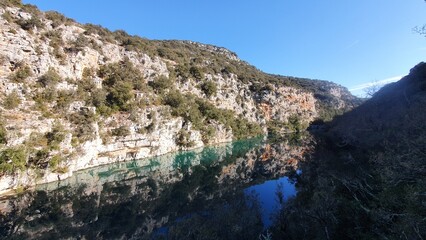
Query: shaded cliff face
[201, 189]
[367, 177]
[76, 96]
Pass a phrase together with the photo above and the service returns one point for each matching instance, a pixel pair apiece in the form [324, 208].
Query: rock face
[64, 109]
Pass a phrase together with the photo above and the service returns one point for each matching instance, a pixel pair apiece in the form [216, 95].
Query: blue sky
[344, 41]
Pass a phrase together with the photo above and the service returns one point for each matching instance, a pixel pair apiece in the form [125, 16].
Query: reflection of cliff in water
[200, 193]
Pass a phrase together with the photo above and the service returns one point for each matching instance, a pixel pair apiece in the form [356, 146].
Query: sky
[352, 43]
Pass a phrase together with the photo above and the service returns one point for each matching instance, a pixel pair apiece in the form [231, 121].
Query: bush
[3, 134]
[183, 139]
[196, 73]
[63, 100]
[56, 136]
[8, 17]
[207, 133]
[56, 18]
[50, 78]
[79, 44]
[39, 159]
[161, 83]
[21, 74]
[29, 24]
[121, 131]
[55, 161]
[209, 88]
[12, 159]
[56, 42]
[119, 96]
[12, 100]
[174, 99]
[83, 123]
[11, 3]
[121, 72]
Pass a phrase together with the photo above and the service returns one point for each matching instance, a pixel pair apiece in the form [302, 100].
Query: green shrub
[295, 124]
[209, 88]
[63, 100]
[119, 96]
[21, 74]
[12, 159]
[183, 139]
[242, 128]
[207, 133]
[11, 3]
[31, 23]
[3, 134]
[161, 83]
[55, 161]
[8, 17]
[83, 124]
[56, 136]
[50, 78]
[175, 99]
[39, 158]
[56, 42]
[79, 44]
[196, 73]
[124, 71]
[12, 100]
[182, 70]
[56, 18]
[121, 131]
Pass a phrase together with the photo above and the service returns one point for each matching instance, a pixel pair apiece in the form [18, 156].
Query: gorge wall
[75, 96]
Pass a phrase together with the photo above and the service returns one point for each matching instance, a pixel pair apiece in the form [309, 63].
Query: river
[229, 191]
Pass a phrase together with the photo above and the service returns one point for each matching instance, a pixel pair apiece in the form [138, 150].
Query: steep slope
[368, 179]
[77, 96]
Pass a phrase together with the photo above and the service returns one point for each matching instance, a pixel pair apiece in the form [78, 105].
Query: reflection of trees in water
[357, 194]
[236, 217]
[188, 195]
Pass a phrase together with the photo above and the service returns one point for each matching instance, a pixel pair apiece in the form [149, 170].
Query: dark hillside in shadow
[367, 178]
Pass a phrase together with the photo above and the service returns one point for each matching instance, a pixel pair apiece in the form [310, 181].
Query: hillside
[368, 177]
[76, 96]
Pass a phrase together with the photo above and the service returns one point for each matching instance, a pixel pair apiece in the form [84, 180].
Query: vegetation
[31, 23]
[50, 78]
[121, 131]
[199, 112]
[83, 124]
[184, 139]
[366, 184]
[11, 3]
[209, 88]
[12, 159]
[56, 136]
[57, 18]
[161, 83]
[12, 100]
[3, 134]
[21, 74]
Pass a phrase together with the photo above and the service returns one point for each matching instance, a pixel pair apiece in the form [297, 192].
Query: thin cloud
[353, 44]
[375, 83]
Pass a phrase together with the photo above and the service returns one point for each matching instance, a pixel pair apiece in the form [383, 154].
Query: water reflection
[272, 195]
[201, 194]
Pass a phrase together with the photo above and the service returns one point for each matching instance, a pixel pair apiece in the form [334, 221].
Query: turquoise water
[229, 191]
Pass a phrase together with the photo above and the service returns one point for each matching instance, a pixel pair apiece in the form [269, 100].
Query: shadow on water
[228, 191]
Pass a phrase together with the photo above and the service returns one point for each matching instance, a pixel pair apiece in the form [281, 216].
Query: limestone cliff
[75, 96]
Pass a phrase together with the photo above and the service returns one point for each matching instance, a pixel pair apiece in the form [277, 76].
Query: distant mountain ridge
[76, 96]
